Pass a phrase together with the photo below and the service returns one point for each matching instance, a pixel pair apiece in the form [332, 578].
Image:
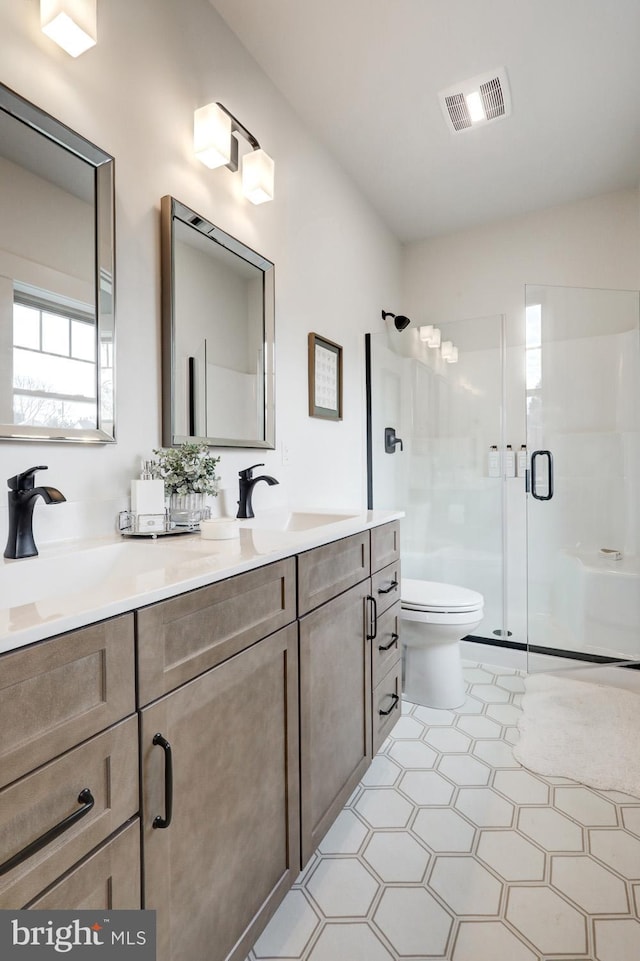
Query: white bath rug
[587, 732]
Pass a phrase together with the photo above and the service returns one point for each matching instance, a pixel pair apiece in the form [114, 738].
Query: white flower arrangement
[188, 469]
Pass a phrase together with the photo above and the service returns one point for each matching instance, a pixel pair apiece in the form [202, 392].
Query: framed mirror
[57, 281]
[218, 319]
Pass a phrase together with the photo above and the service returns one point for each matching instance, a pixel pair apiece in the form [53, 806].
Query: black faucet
[22, 498]
[247, 483]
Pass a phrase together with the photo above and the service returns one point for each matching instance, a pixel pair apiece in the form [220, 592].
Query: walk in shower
[519, 465]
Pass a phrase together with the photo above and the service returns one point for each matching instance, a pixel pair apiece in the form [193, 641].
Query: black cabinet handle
[394, 702]
[387, 590]
[374, 618]
[164, 822]
[386, 647]
[85, 798]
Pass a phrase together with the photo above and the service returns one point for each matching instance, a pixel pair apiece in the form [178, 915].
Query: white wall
[336, 265]
[483, 272]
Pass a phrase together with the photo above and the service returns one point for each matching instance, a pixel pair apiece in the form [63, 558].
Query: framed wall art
[325, 378]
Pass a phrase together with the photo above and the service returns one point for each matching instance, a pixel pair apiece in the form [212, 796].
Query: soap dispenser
[147, 501]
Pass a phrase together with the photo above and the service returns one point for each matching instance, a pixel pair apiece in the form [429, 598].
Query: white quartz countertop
[74, 583]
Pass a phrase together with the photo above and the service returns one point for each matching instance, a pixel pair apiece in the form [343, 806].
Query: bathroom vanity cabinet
[219, 732]
[229, 789]
[343, 720]
[69, 757]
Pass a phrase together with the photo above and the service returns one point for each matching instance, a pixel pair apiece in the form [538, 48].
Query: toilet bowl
[435, 617]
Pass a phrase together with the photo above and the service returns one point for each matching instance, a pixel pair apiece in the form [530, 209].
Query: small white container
[219, 529]
[509, 461]
[493, 462]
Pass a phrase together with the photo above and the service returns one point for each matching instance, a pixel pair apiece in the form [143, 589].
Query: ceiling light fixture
[72, 24]
[215, 143]
[475, 106]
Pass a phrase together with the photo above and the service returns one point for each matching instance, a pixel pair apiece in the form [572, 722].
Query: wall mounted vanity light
[215, 143]
[72, 24]
[400, 321]
[430, 335]
[449, 352]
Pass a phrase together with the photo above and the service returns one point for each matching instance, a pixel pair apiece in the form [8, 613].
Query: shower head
[400, 321]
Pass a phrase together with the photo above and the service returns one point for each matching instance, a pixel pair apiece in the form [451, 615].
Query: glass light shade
[212, 136]
[72, 24]
[436, 336]
[257, 176]
[453, 356]
[447, 349]
[426, 333]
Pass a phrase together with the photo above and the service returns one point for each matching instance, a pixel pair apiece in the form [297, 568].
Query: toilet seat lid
[433, 596]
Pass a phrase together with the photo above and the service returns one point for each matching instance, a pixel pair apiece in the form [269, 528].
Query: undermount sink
[294, 520]
[48, 575]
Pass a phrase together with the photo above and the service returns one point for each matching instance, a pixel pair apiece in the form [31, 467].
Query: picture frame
[325, 378]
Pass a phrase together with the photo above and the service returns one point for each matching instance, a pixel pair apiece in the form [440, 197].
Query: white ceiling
[365, 74]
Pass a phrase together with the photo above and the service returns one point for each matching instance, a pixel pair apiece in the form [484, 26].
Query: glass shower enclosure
[517, 464]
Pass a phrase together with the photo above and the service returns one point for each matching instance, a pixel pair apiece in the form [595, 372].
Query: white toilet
[434, 619]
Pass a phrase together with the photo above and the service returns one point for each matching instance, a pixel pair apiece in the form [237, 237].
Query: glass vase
[187, 510]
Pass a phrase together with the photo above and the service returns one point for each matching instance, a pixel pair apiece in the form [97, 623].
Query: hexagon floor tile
[589, 885]
[413, 921]
[450, 850]
[396, 856]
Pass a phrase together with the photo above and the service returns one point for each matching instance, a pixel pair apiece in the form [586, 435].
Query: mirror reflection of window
[56, 280]
[54, 363]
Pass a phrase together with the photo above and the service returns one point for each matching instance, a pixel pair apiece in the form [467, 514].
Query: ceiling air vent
[475, 102]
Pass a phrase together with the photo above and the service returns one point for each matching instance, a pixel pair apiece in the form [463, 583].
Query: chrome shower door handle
[534, 478]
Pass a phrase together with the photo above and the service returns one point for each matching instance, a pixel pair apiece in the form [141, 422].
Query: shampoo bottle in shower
[521, 461]
[509, 462]
[493, 462]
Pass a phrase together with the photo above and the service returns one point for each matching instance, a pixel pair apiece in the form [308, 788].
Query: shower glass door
[582, 361]
[448, 414]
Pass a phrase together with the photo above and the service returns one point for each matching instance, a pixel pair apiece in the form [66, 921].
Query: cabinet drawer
[385, 646]
[385, 545]
[327, 571]
[108, 766]
[385, 586]
[59, 692]
[387, 705]
[185, 636]
[108, 879]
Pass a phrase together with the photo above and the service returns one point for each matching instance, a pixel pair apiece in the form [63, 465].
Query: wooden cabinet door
[216, 874]
[335, 710]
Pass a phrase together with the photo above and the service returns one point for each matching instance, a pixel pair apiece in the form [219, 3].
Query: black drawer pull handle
[387, 590]
[394, 703]
[385, 647]
[85, 798]
[164, 822]
[374, 618]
